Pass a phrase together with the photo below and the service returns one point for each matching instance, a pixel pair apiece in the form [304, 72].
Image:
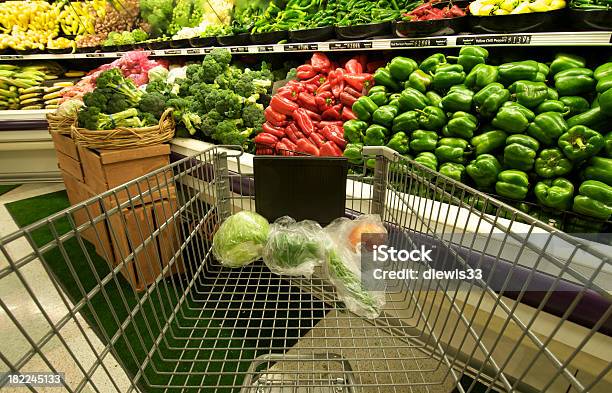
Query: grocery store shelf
[27, 115]
[595, 38]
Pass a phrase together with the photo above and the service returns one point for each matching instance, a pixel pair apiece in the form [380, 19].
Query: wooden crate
[67, 156]
[107, 169]
[132, 232]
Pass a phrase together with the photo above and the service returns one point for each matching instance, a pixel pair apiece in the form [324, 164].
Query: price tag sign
[350, 45]
[207, 50]
[418, 42]
[194, 51]
[11, 57]
[301, 47]
[94, 55]
[265, 48]
[509, 39]
[239, 49]
[172, 52]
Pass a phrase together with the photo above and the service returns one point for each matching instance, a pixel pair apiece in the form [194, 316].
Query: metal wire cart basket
[537, 321]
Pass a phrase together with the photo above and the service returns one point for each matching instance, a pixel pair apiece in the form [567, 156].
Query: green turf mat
[4, 188]
[209, 321]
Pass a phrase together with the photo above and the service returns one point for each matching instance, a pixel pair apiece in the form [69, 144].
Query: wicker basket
[121, 138]
[60, 124]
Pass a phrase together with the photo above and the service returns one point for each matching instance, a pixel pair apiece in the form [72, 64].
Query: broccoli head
[97, 98]
[210, 70]
[113, 79]
[93, 119]
[250, 84]
[153, 103]
[229, 78]
[200, 91]
[222, 56]
[158, 86]
[148, 119]
[230, 132]
[253, 115]
[226, 102]
[184, 111]
[139, 35]
[192, 70]
[117, 103]
[210, 122]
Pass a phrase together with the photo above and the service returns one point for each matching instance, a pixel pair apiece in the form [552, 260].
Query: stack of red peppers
[306, 115]
[428, 12]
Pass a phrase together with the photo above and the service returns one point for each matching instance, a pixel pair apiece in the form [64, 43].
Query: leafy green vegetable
[157, 14]
[240, 239]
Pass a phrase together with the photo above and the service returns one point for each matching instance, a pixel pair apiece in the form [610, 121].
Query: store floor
[16, 298]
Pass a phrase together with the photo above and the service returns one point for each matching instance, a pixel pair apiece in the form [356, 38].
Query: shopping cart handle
[385, 151]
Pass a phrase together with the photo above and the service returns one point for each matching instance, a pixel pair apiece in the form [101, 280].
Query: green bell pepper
[564, 61]
[490, 98]
[406, 122]
[399, 142]
[604, 84]
[594, 200]
[401, 68]
[603, 71]
[427, 159]
[520, 152]
[575, 81]
[383, 77]
[528, 113]
[430, 64]
[556, 194]
[384, 115]
[354, 130]
[470, 56]
[600, 168]
[412, 99]
[434, 98]
[580, 143]
[553, 106]
[419, 80]
[544, 70]
[378, 94]
[375, 135]
[552, 94]
[589, 118]
[394, 100]
[452, 170]
[459, 98]
[552, 163]
[452, 150]
[352, 151]
[447, 75]
[529, 94]
[547, 127]
[608, 144]
[489, 141]
[480, 76]
[605, 102]
[432, 118]
[484, 170]
[364, 107]
[576, 104]
[518, 71]
[512, 184]
[510, 119]
[461, 125]
[424, 140]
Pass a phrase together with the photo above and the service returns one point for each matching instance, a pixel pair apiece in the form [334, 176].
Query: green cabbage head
[240, 239]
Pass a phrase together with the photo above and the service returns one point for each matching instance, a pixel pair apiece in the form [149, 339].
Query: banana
[51, 96]
[51, 106]
[32, 107]
[33, 89]
[29, 101]
[63, 84]
[24, 97]
[8, 67]
[74, 74]
[53, 102]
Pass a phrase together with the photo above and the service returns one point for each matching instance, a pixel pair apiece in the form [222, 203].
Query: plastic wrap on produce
[240, 239]
[295, 248]
[344, 264]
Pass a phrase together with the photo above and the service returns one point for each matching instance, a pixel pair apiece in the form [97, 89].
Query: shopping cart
[538, 320]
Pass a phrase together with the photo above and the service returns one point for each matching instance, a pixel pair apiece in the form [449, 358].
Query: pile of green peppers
[525, 131]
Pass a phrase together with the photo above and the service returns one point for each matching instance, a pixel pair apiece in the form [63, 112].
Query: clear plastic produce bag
[344, 264]
[240, 239]
[295, 248]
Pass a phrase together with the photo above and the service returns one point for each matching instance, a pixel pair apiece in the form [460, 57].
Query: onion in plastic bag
[295, 248]
[240, 239]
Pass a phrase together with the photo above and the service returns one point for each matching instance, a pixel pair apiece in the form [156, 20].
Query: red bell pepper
[264, 152]
[282, 149]
[347, 100]
[337, 81]
[331, 123]
[292, 146]
[270, 129]
[320, 62]
[305, 146]
[265, 139]
[317, 80]
[299, 134]
[353, 67]
[303, 121]
[363, 60]
[275, 118]
[307, 100]
[332, 113]
[347, 114]
[310, 88]
[283, 105]
[353, 92]
[305, 71]
[324, 87]
[317, 139]
[324, 101]
[331, 134]
[330, 149]
[313, 115]
[290, 131]
[359, 82]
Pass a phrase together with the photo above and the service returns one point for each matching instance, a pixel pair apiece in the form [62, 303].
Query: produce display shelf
[595, 38]
[24, 115]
